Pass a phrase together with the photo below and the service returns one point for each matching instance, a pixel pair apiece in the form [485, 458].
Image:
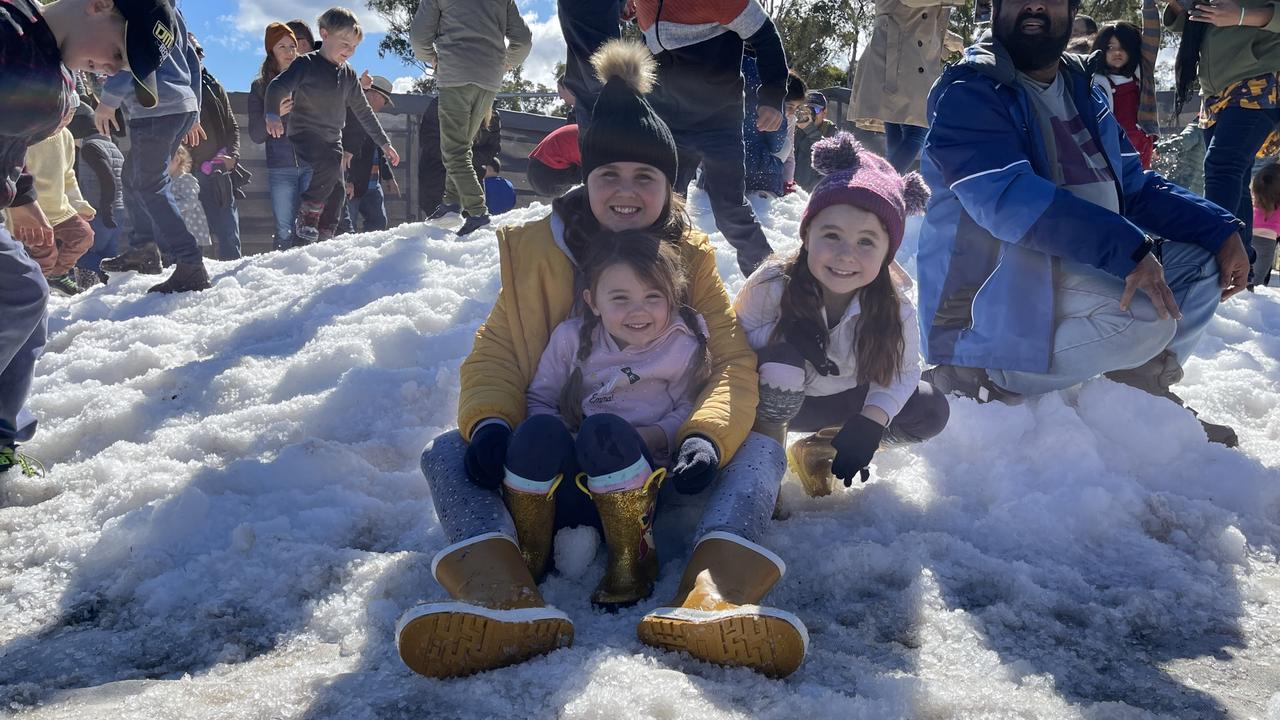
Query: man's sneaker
[444, 209]
[64, 284]
[86, 279]
[144, 259]
[1155, 377]
[473, 223]
[968, 382]
[10, 458]
[186, 277]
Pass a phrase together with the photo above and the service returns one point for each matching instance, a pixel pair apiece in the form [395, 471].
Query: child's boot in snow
[810, 459]
[306, 229]
[532, 506]
[144, 259]
[626, 502]
[498, 619]
[716, 615]
[186, 277]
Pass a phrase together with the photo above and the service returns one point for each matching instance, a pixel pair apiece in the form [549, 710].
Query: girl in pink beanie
[835, 328]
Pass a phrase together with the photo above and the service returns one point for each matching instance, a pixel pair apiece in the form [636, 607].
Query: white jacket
[757, 306]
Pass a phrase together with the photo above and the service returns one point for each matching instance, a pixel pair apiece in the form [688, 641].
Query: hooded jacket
[178, 81]
[996, 221]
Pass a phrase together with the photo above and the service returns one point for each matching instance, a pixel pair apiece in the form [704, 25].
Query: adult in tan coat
[498, 616]
[909, 40]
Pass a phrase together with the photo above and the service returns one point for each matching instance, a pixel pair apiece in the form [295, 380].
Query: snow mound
[234, 520]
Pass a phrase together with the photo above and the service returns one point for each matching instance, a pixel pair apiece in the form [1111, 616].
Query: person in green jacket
[1233, 48]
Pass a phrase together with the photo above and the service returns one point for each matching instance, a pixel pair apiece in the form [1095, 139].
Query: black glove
[855, 445]
[696, 465]
[811, 341]
[487, 455]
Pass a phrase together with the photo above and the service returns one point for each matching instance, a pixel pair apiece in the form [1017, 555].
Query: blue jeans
[286, 185]
[371, 207]
[106, 243]
[902, 144]
[1092, 335]
[224, 222]
[23, 330]
[1232, 145]
[148, 190]
[721, 153]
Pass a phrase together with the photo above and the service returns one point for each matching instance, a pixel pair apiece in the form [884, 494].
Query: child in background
[1127, 74]
[797, 93]
[834, 327]
[324, 86]
[52, 162]
[621, 376]
[99, 172]
[812, 125]
[186, 191]
[499, 193]
[1266, 220]
[555, 165]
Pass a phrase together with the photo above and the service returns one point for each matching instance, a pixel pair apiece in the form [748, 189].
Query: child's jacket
[322, 92]
[52, 162]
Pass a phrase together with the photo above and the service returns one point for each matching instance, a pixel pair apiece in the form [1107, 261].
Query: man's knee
[442, 449]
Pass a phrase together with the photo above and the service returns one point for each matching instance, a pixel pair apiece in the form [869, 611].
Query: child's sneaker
[10, 458]
[472, 223]
[86, 279]
[145, 259]
[306, 228]
[64, 284]
[444, 209]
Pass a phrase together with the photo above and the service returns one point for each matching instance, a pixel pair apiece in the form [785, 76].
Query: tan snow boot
[534, 514]
[716, 615]
[627, 519]
[498, 619]
[810, 459]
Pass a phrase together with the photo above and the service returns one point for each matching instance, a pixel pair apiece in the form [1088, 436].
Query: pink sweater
[651, 384]
[1269, 221]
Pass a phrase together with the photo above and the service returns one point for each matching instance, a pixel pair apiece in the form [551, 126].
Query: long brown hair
[657, 263]
[1266, 187]
[878, 346]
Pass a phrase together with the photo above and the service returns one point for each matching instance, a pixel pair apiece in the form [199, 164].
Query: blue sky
[231, 33]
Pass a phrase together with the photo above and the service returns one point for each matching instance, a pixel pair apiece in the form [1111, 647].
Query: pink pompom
[915, 193]
[836, 154]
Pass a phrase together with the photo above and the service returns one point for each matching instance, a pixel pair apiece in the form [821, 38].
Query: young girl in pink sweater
[1266, 220]
[613, 387]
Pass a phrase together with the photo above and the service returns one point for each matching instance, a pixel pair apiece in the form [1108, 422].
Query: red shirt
[559, 150]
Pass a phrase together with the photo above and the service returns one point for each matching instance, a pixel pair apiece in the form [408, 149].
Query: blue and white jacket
[996, 220]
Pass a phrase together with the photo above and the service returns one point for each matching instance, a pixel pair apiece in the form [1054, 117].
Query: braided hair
[657, 263]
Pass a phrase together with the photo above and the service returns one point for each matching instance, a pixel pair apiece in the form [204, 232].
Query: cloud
[548, 49]
[403, 84]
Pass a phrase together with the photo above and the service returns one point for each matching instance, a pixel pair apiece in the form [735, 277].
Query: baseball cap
[382, 86]
[150, 32]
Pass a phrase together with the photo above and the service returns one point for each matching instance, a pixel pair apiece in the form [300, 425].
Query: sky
[231, 32]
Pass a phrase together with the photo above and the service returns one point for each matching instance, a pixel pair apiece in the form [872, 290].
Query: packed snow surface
[234, 520]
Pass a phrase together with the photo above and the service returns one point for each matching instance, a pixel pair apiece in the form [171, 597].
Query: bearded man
[1036, 271]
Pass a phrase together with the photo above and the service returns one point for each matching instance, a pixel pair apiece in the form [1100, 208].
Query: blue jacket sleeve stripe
[953, 185]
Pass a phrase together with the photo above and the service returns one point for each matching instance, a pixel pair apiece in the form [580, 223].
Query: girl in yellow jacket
[498, 616]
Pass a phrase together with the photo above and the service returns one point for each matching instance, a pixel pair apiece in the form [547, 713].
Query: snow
[234, 520]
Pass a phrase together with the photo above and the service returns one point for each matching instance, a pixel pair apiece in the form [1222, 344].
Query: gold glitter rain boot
[498, 618]
[533, 509]
[716, 615]
[626, 513]
[810, 459]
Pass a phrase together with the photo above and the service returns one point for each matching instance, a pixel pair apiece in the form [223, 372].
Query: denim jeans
[224, 222]
[106, 243]
[721, 153]
[1232, 146]
[902, 144]
[148, 189]
[371, 207]
[23, 330]
[286, 184]
[1093, 335]
[586, 25]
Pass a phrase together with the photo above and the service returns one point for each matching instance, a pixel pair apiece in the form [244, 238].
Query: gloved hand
[811, 341]
[696, 465]
[855, 445]
[487, 455]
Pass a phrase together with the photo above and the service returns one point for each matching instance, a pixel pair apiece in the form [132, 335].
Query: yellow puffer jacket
[537, 293]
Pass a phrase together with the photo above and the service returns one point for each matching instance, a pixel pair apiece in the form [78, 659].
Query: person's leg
[1262, 267]
[586, 25]
[23, 297]
[1232, 145]
[324, 159]
[688, 158]
[1092, 334]
[283, 185]
[161, 136]
[903, 144]
[105, 243]
[465, 509]
[335, 207]
[74, 238]
[373, 208]
[539, 471]
[462, 109]
[726, 189]
[1192, 275]
[224, 222]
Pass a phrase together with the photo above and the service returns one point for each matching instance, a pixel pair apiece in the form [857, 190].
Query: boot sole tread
[454, 644]
[768, 645]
